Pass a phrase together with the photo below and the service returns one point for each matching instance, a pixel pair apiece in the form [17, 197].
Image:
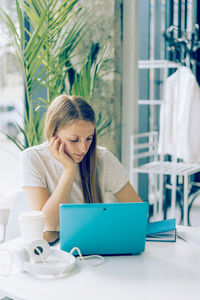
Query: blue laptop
[105, 229]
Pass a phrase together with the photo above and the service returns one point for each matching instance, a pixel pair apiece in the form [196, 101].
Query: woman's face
[77, 138]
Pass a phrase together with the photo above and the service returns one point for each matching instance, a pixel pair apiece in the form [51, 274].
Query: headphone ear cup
[27, 259]
[38, 250]
[21, 256]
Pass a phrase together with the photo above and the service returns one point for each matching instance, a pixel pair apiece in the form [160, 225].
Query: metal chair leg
[185, 209]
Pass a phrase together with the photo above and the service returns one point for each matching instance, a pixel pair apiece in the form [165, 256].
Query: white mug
[31, 224]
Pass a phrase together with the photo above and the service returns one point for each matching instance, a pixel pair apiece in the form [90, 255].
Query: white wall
[130, 76]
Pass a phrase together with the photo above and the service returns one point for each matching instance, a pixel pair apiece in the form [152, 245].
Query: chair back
[143, 149]
[144, 145]
[19, 202]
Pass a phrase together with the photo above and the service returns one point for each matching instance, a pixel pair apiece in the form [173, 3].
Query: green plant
[44, 51]
[85, 81]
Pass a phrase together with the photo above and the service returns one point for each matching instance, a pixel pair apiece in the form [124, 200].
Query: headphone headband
[34, 259]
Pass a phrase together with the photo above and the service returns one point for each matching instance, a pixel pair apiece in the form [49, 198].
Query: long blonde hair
[63, 111]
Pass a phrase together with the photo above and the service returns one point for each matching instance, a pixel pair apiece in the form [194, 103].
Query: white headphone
[32, 258]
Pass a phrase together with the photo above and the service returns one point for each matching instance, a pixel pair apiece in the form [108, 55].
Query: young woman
[69, 167]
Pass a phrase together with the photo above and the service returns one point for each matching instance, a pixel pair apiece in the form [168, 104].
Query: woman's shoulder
[104, 154]
[41, 149]
[102, 151]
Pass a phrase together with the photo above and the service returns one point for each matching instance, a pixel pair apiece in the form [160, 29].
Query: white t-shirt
[179, 117]
[40, 169]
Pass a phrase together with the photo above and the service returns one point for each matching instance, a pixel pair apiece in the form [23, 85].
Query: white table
[163, 271]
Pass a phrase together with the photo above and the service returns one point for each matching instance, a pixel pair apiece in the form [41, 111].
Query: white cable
[11, 255]
[11, 259]
[83, 258]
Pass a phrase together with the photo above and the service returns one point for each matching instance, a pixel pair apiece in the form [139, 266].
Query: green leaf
[14, 140]
[36, 34]
[21, 25]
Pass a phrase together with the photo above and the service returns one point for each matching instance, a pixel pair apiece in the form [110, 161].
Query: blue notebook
[162, 231]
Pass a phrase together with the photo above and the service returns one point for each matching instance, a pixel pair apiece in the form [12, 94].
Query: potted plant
[45, 49]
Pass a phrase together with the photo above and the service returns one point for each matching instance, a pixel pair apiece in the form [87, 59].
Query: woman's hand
[56, 148]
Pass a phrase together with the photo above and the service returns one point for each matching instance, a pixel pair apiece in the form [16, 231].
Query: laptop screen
[106, 229]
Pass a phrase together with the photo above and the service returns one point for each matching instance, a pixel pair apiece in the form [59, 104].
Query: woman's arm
[39, 197]
[127, 194]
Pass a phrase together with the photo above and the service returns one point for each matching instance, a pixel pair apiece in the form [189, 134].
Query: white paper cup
[31, 224]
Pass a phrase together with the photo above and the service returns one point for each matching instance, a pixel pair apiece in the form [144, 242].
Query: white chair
[4, 213]
[145, 146]
[19, 203]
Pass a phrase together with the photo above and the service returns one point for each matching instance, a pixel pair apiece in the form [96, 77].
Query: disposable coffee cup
[31, 224]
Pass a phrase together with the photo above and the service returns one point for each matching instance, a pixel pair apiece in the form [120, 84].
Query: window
[11, 107]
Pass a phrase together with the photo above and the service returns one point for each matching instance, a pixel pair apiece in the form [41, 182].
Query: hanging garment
[180, 117]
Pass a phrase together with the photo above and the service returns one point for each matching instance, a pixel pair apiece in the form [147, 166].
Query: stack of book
[162, 231]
